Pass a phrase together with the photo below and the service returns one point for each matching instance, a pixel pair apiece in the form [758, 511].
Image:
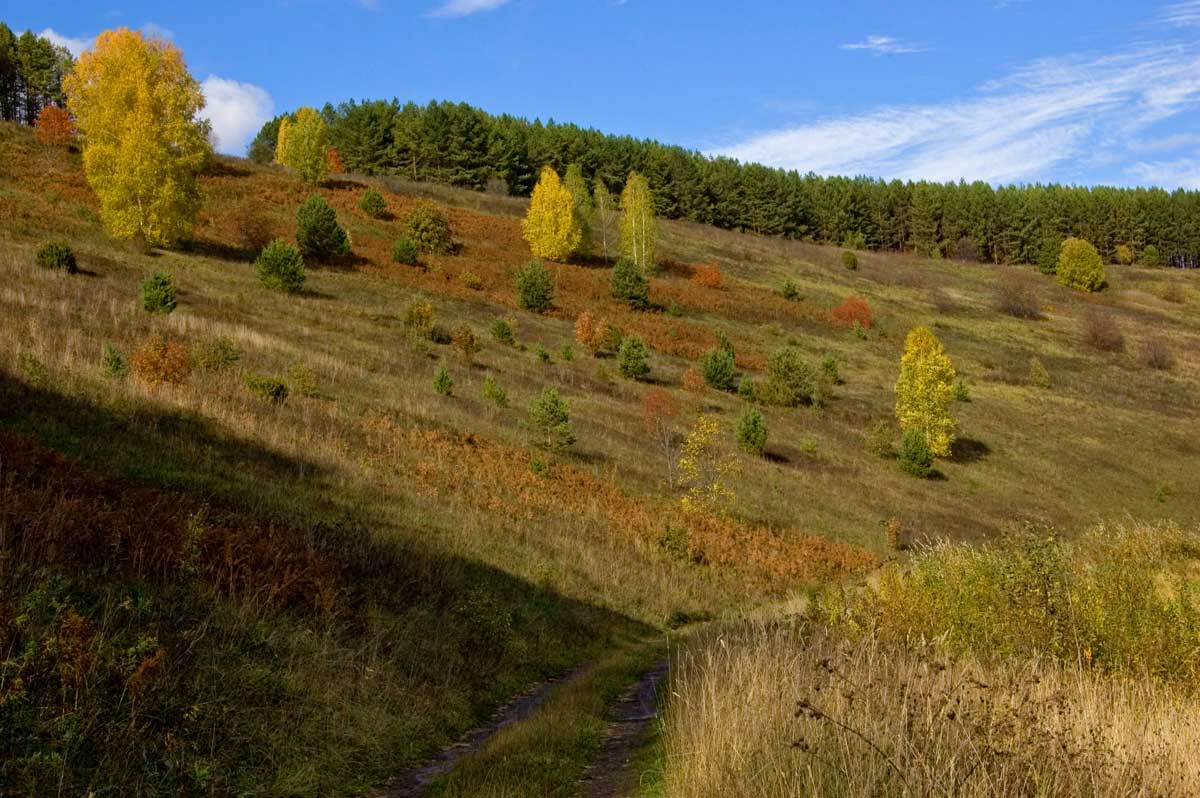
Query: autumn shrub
[1100, 331]
[707, 471]
[113, 363]
[405, 251]
[659, 412]
[849, 260]
[318, 234]
[718, 368]
[965, 249]
[1037, 376]
[916, 458]
[535, 287]
[56, 255]
[1123, 254]
[333, 162]
[215, 355]
[251, 227]
[550, 421]
[502, 332]
[465, 343]
[268, 389]
[160, 361]
[418, 319]
[1016, 293]
[752, 431]
[54, 127]
[1150, 256]
[1080, 266]
[443, 383]
[280, 267]
[428, 229]
[1156, 353]
[373, 204]
[157, 293]
[629, 285]
[707, 275]
[899, 537]
[692, 380]
[585, 330]
[493, 392]
[472, 280]
[854, 311]
[633, 358]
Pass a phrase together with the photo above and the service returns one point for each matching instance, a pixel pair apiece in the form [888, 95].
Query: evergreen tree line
[457, 144]
[32, 69]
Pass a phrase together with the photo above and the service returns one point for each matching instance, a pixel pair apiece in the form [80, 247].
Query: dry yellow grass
[775, 711]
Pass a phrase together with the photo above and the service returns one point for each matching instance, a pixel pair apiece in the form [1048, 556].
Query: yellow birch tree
[551, 226]
[925, 390]
[638, 225]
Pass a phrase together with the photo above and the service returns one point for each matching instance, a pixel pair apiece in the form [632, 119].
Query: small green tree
[550, 421]
[1048, 254]
[318, 234]
[790, 380]
[633, 358]
[1150, 256]
[443, 383]
[157, 293]
[494, 393]
[789, 291]
[719, 368]
[373, 204]
[629, 284]
[916, 457]
[1080, 266]
[849, 260]
[404, 251]
[535, 287]
[56, 255]
[752, 431]
[280, 267]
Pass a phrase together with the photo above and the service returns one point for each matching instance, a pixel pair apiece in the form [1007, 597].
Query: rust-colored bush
[585, 331]
[1100, 331]
[707, 275]
[853, 310]
[55, 127]
[693, 380]
[160, 361]
[334, 162]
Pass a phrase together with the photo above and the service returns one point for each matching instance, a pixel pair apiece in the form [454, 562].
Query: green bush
[1080, 266]
[494, 393]
[849, 260]
[854, 241]
[271, 389]
[318, 234]
[1048, 254]
[405, 251]
[752, 431]
[33, 370]
[790, 380]
[1150, 256]
[719, 368]
[113, 363]
[633, 358]
[535, 287]
[280, 267]
[303, 380]
[789, 291]
[502, 331]
[881, 438]
[157, 293]
[916, 458]
[542, 353]
[429, 229]
[748, 389]
[215, 355]
[1038, 377]
[373, 204]
[629, 285]
[550, 422]
[56, 255]
[443, 383]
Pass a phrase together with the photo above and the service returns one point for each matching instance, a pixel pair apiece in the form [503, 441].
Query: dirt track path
[415, 782]
[612, 774]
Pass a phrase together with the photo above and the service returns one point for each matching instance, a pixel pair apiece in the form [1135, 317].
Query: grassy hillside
[423, 562]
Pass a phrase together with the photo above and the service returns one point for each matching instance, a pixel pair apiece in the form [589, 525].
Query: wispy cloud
[1182, 15]
[236, 111]
[884, 45]
[1012, 129]
[74, 44]
[464, 8]
[1181, 173]
[158, 31]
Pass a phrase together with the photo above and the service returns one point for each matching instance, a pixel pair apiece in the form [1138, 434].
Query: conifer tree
[638, 225]
[550, 226]
[135, 105]
[925, 390]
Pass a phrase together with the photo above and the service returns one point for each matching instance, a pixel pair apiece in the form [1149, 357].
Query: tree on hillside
[638, 225]
[1080, 266]
[304, 146]
[54, 127]
[32, 70]
[281, 140]
[605, 208]
[581, 200]
[262, 148]
[925, 390]
[135, 105]
[550, 226]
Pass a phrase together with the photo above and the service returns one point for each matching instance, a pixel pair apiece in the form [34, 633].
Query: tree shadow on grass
[969, 450]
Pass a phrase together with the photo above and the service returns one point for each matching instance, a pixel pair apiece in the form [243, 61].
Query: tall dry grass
[779, 710]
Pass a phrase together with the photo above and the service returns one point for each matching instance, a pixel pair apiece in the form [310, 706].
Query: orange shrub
[658, 409]
[707, 275]
[853, 310]
[334, 161]
[54, 126]
[159, 361]
[585, 331]
[692, 381]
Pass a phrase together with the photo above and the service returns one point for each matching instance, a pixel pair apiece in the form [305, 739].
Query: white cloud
[158, 31]
[463, 8]
[1182, 15]
[75, 45]
[1011, 129]
[236, 110]
[1182, 173]
[884, 45]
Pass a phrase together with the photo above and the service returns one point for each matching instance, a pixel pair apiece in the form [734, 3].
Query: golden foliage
[303, 146]
[707, 469]
[925, 390]
[160, 361]
[551, 226]
[638, 225]
[135, 105]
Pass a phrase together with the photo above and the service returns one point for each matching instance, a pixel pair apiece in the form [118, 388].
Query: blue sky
[1078, 91]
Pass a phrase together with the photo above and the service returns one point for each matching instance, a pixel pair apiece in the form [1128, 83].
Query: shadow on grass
[969, 450]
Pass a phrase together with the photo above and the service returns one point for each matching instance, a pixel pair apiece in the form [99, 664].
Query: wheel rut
[612, 774]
